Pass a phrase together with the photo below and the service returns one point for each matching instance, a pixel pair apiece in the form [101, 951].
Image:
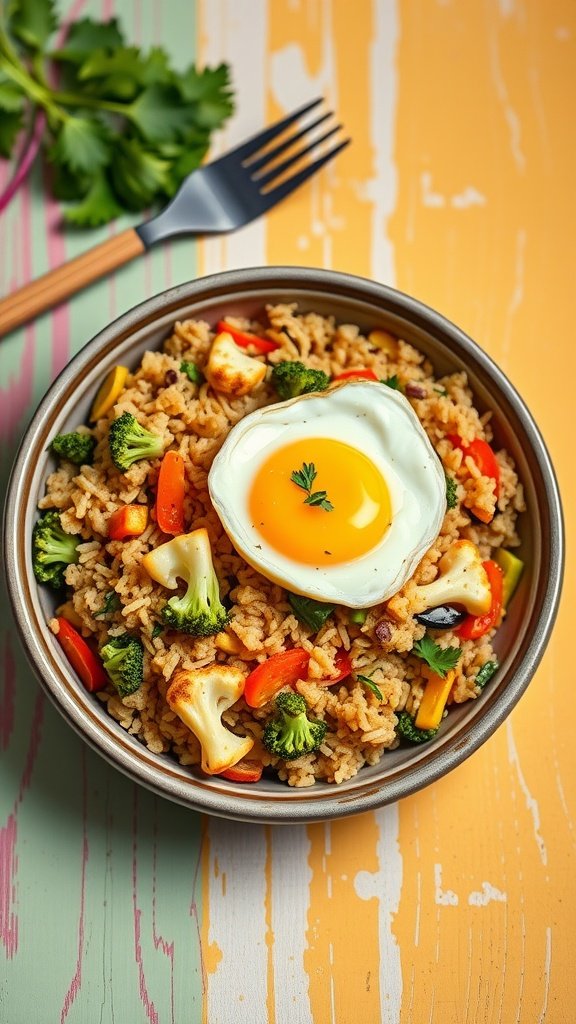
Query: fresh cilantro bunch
[123, 128]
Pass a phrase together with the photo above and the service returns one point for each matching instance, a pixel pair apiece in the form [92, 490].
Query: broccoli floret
[199, 611]
[52, 549]
[123, 659]
[407, 730]
[291, 733]
[77, 448]
[129, 442]
[293, 378]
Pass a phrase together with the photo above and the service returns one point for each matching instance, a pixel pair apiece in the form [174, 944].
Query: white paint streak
[510, 115]
[547, 966]
[443, 897]
[291, 879]
[236, 32]
[517, 293]
[238, 923]
[383, 187]
[469, 196]
[531, 802]
[487, 894]
[429, 196]
[386, 885]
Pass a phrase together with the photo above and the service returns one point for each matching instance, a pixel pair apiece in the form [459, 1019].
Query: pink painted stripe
[8, 691]
[8, 866]
[147, 1003]
[76, 983]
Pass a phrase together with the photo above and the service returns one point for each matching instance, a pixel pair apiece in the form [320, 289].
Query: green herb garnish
[358, 617]
[311, 613]
[441, 391]
[391, 382]
[440, 659]
[157, 630]
[123, 127]
[451, 493]
[192, 372]
[111, 604]
[367, 682]
[304, 478]
[486, 672]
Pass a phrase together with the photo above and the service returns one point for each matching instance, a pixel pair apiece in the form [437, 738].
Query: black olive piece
[442, 617]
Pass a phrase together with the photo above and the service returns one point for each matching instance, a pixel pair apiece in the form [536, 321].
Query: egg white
[379, 422]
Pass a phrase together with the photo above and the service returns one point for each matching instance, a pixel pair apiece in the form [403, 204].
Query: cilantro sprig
[440, 659]
[123, 127]
[370, 685]
[304, 478]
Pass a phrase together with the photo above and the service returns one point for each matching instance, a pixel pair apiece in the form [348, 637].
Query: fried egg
[334, 495]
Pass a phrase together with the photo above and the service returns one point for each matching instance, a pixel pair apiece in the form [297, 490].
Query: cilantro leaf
[82, 144]
[98, 206]
[440, 659]
[33, 22]
[137, 174]
[158, 628]
[111, 604]
[159, 114]
[11, 97]
[391, 382]
[451, 493]
[311, 613]
[10, 125]
[68, 186]
[304, 477]
[367, 682]
[319, 499]
[87, 35]
[210, 91]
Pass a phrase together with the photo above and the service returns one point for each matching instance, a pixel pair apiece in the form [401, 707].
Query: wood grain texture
[455, 906]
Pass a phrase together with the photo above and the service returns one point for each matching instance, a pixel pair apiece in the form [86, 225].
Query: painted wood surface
[455, 906]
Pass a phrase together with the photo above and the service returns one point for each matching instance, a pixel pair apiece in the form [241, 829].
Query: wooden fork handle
[57, 285]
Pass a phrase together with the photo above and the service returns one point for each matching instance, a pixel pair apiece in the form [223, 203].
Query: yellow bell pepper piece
[434, 699]
[109, 390]
[385, 342]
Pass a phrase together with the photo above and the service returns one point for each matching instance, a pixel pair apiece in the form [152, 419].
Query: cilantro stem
[69, 99]
[14, 69]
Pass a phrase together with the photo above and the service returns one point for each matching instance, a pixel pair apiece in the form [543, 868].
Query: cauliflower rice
[195, 420]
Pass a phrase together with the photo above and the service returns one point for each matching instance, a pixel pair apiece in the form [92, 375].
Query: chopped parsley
[304, 478]
[367, 682]
[440, 659]
[451, 493]
[157, 630]
[192, 372]
[111, 604]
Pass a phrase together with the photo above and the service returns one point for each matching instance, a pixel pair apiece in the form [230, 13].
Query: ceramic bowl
[520, 642]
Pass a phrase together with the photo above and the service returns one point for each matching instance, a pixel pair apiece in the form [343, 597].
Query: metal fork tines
[249, 180]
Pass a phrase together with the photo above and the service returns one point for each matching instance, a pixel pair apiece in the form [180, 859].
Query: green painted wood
[100, 886]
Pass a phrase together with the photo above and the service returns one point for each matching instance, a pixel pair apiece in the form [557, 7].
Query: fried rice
[194, 420]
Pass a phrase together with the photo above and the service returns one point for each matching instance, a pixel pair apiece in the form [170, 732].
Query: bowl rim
[328, 801]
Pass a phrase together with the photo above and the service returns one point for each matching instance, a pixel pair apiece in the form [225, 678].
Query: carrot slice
[129, 521]
[82, 658]
[170, 495]
[243, 771]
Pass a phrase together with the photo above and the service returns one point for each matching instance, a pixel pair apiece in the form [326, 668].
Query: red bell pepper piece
[170, 494]
[272, 675]
[484, 457]
[129, 521]
[244, 339]
[82, 658]
[356, 375]
[343, 667]
[244, 771]
[475, 626]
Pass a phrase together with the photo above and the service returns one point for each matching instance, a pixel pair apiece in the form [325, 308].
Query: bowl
[520, 641]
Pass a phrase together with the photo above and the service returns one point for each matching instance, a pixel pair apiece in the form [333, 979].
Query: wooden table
[457, 905]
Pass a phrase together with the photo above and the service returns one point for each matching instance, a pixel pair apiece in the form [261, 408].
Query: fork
[219, 197]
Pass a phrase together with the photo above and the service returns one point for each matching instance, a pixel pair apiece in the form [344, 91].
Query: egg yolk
[311, 534]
